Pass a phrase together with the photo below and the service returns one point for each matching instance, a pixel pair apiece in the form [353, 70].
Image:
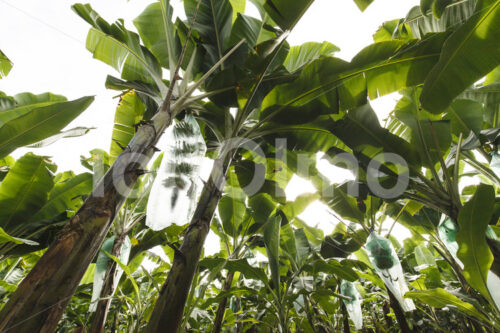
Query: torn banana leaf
[176, 186]
[384, 259]
[353, 306]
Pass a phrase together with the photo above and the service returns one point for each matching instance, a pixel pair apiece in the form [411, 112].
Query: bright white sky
[46, 42]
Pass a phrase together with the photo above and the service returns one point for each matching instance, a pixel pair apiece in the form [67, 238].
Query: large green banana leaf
[32, 200]
[360, 129]
[294, 243]
[440, 298]
[474, 252]
[232, 214]
[251, 29]
[120, 48]
[128, 115]
[272, 242]
[327, 84]
[312, 136]
[33, 123]
[5, 65]
[470, 53]
[424, 127]
[157, 31]
[213, 23]
[465, 116]
[24, 189]
[65, 195]
[23, 103]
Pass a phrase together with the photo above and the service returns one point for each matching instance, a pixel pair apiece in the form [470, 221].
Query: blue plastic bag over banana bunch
[177, 184]
[353, 306]
[384, 259]
[447, 231]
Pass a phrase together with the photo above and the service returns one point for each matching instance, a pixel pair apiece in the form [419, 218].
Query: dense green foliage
[239, 79]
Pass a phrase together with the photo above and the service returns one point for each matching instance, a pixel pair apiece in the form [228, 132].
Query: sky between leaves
[46, 42]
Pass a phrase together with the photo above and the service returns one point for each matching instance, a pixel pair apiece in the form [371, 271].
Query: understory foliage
[234, 86]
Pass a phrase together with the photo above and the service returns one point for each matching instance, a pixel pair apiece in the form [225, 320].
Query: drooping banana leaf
[470, 53]
[24, 190]
[176, 186]
[101, 267]
[440, 298]
[353, 306]
[120, 48]
[30, 119]
[34, 204]
[384, 259]
[71, 133]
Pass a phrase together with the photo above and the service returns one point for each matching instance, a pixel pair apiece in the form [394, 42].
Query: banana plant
[99, 210]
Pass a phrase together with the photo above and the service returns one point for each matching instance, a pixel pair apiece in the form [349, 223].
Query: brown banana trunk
[222, 305]
[400, 315]
[40, 299]
[346, 328]
[387, 310]
[169, 307]
[107, 289]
